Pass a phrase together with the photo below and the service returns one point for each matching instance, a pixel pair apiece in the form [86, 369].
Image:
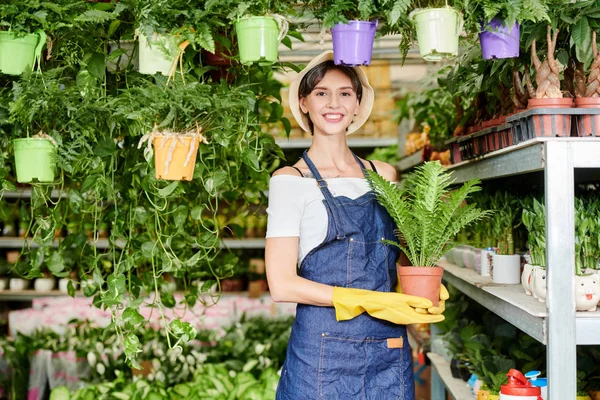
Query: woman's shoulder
[287, 171]
[386, 170]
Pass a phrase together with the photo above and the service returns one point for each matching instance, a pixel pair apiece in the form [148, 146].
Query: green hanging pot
[258, 39]
[157, 53]
[35, 159]
[438, 30]
[20, 54]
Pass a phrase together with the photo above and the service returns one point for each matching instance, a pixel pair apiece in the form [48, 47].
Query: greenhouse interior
[264, 199]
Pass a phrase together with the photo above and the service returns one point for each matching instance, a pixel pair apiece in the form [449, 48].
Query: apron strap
[330, 201]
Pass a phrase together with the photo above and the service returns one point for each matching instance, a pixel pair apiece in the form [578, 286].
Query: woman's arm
[281, 256]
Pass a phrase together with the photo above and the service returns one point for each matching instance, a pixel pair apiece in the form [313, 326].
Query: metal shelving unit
[352, 142]
[441, 375]
[554, 323]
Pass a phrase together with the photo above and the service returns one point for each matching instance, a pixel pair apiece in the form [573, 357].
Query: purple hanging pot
[499, 41]
[353, 42]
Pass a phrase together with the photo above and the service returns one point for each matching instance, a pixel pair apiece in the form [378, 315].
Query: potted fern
[428, 215]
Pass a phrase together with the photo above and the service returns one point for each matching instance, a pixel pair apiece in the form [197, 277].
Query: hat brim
[366, 103]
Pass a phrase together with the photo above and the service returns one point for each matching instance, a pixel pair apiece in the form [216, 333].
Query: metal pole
[560, 261]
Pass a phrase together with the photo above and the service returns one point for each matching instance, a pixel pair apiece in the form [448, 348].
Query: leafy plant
[428, 215]
[534, 219]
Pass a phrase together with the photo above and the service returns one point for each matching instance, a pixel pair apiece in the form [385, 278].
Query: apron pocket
[364, 369]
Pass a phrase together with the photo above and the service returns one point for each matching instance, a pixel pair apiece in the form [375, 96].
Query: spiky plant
[427, 213]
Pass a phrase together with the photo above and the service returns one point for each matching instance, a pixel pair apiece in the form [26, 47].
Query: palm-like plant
[427, 213]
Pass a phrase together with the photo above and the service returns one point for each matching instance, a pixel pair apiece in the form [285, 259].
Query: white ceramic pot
[122, 54]
[156, 54]
[527, 278]
[44, 284]
[506, 269]
[486, 261]
[3, 284]
[18, 284]
[538, 284]
[587, 292]
[64, 282]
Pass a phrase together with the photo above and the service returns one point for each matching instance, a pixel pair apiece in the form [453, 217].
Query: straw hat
[366, 103]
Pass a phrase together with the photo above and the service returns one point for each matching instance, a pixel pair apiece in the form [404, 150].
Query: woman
[323, 217]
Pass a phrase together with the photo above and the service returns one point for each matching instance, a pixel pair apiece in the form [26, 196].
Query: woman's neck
[331, 152]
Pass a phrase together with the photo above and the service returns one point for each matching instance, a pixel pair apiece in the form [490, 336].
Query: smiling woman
[349, 339]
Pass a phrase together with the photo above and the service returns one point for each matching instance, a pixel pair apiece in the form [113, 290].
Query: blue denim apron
[351, 359]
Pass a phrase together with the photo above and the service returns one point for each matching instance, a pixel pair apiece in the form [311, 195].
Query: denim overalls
[351, 359]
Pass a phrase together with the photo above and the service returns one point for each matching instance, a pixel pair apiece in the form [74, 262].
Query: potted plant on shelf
[587, 253]
[533, 277]
[588, 95]
[438, 27]
[428, 215]
[506, 265]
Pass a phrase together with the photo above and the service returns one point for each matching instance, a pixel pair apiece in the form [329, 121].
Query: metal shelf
[440, 371]
[409, 162]
[526, 157]
[28, 295]
[17, 243]
[352, 143]
[511, 303]
[26, 194]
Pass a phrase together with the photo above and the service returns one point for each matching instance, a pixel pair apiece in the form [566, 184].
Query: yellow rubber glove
[439, 309]
[393, 307]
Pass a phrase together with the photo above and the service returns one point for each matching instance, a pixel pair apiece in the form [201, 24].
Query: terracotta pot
[421, 281]
[543, 124]
[587, 124]
[232, 285]
[147, 368]
[594, 394]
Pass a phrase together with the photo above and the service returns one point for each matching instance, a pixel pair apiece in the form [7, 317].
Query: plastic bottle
[535, 380]
[519, 388]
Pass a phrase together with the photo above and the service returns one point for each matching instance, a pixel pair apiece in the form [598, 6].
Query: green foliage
[387, 154]
[508, 11]
[428, 215]
[534, 219]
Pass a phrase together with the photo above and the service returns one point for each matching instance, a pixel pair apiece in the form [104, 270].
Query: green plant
[481, 12]
[587, 230]
[534, 219]
[428, 215]
[387, 154]
[506, 212]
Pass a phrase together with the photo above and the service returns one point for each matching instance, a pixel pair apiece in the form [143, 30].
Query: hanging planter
[499, 41]
[259, 37]
[174, 153]
[353, 42]
[437, 32]
[20, 54]
[35, 158]
[157, 54]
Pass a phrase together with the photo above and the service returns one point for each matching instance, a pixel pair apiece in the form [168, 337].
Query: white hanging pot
[587, 292]
[63, 284]
[157, 54]
[506, 269]
[3, 284]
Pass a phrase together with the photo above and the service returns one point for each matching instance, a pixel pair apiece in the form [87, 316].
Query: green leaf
[96, 65]
[196, 213]
[581, 33]
[95, 16]
[132, 316]
[71, 288]
[563, 57]
[132, 347]
[106, 147]
[112, 28]
[168, 190]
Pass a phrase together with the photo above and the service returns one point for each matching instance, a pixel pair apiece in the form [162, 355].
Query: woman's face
[332, 104]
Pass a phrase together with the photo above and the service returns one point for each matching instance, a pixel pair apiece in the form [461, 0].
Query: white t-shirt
[296, 207]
